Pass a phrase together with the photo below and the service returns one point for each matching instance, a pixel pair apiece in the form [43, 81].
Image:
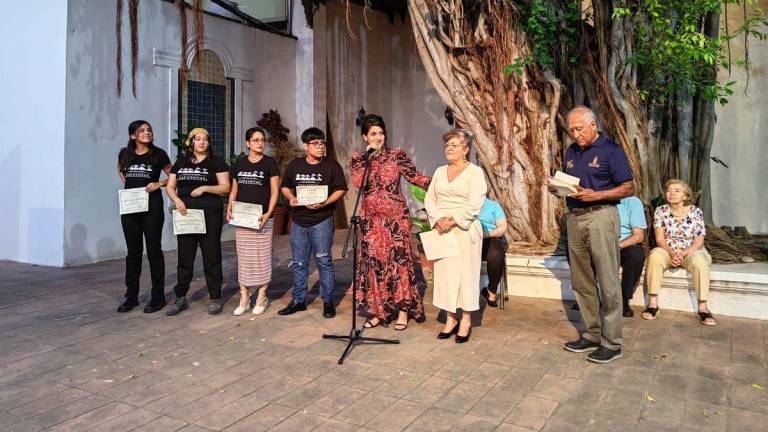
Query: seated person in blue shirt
[494, 224]
[632, 255]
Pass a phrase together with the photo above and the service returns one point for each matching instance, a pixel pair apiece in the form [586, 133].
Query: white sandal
[241, 309]
[259, 309]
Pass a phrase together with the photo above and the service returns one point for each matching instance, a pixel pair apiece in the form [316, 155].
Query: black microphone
[368, 153]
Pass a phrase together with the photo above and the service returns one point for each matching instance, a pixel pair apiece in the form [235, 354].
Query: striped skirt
[254, 255]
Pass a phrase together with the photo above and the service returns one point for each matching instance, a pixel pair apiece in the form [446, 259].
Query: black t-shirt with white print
[190, 175]
[142, 171]
[253, 180]
[301, 173]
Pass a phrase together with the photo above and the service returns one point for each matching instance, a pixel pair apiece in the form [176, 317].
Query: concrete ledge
[736, 289]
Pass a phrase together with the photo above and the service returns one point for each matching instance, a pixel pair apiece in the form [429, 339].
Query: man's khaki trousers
[593, 240]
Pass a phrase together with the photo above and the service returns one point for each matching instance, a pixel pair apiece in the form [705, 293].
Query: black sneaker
[127, 305]
[180, 305]
[292, 308]
[154, 306]
[329, 311]
[581, 345]
[604, 355]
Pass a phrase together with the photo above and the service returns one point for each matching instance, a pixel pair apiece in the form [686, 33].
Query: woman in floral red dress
[385, 272]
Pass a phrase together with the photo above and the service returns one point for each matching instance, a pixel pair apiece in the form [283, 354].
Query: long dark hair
[129, 151]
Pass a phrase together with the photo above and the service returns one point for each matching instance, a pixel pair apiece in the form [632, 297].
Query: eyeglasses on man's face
[316, 143]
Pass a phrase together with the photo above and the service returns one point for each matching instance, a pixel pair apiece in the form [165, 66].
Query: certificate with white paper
[308, 195]
[437, 246]
[246, 215]
[135, 200]
[192, 223]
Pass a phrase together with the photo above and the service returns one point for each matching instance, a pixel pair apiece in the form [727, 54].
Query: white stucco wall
[739, 195]
[97, 119]
[31, 151]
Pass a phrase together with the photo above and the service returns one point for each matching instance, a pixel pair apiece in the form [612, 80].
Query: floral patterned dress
[385, 271]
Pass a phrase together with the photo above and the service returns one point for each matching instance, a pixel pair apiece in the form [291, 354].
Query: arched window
[207, 100]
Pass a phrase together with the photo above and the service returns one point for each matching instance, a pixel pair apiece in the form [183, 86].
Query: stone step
[739, 290]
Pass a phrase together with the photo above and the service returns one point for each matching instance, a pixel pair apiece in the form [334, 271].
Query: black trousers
[210, 247]
[494, 251]
[632, 261]
[137, 229]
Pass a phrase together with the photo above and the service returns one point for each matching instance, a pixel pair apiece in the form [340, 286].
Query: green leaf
[421, 224]
[417, 193]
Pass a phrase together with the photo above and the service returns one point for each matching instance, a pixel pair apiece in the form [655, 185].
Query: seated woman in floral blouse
[679, 229]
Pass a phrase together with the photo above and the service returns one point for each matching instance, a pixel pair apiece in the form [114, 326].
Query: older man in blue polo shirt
[593, 233]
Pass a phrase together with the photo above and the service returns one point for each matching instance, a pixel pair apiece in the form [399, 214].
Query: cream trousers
[697, 264]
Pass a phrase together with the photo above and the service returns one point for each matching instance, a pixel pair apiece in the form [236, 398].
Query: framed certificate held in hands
[246, 215]
[192, 223]
[308, 195]
[135, 200]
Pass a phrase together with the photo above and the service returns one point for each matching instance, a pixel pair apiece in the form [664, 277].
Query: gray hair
[581, 109]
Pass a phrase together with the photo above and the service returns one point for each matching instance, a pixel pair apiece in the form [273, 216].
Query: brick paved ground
[68, 362]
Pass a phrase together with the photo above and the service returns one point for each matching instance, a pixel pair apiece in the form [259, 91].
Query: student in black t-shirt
[139, 164]
[312, 230]
[256, 179]
[197, 181]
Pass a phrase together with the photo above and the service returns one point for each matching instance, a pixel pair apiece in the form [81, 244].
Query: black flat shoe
[292, 308]
[491, 303]
[462, 339]
[443, 335]
[127, 305]
[628, 312]
[329, 310]
[154, 306]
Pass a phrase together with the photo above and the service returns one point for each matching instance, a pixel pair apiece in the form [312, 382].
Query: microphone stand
[356, 335]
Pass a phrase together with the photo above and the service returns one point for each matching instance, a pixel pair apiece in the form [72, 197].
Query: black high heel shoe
[443, 335]
[491, 303]
[462, 339]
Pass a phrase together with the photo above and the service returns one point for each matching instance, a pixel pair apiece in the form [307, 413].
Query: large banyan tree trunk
[518, 118]
[512, 115]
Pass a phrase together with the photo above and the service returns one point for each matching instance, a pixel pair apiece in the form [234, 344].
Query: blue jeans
[304, 241]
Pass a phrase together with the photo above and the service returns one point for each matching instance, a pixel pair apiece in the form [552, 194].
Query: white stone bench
[736, 289]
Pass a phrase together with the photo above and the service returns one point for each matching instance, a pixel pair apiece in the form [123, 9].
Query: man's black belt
[580, 211]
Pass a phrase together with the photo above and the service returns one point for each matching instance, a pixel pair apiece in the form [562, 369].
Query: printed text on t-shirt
[193, 174]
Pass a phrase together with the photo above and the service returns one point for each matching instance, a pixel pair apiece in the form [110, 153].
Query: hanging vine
[119, 43]
[133, 6]
[182, 6]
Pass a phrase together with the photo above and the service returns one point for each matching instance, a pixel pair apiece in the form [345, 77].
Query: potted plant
[283, 152]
